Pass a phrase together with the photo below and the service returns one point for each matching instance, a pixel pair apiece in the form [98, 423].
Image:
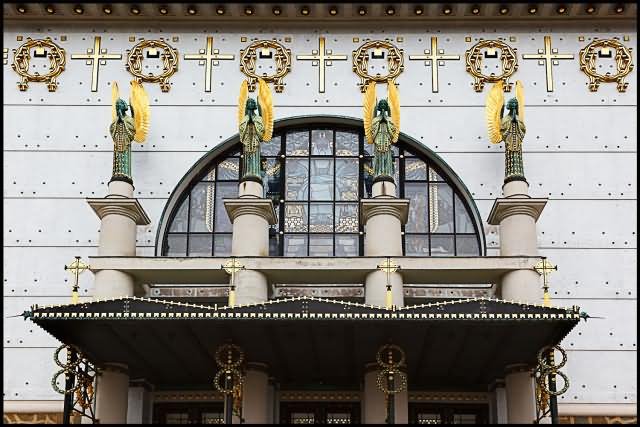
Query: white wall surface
[580, 152]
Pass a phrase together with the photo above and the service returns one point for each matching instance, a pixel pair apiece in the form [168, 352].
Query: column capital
[518, 367]
[130, 208]
[250, 206]
[398, 208]
[505, 207]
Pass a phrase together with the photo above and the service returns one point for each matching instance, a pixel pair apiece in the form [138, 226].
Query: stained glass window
[315, 177]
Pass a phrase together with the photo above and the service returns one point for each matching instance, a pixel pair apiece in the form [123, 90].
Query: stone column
[383, 216]
[256, 405]
[498, 404]
[251, 215]
[139, 410]
[113, 394]
[516, 214]
[374, 409]
[520, 391]
[119, 213]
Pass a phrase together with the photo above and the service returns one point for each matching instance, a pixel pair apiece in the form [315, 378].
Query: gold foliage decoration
[265, 101]
[493, 109]
[369, 110]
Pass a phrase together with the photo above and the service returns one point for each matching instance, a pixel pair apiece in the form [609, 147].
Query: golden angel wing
[115, 94]
[520, 98]
[369, 107]
[394, 105]
[495, 102]
[141, 110]
[242, 100]
[265, 101]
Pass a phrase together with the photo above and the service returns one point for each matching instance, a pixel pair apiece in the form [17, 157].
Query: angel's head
[383, 106]
[251, 105]
[121, 108]
[512, 106]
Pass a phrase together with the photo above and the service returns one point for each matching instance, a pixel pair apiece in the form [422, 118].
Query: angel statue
[125, 129]
[509, 128]
[255, 120]
[382, 128]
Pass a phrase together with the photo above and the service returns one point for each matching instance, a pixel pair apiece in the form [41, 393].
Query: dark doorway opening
[441, 413]
[188, 413]
[320, 413]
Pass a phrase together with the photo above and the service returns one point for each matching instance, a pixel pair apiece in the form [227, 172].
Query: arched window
[315, 174]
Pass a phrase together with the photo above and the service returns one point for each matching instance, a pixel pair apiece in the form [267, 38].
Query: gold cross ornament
[96, 57]
[321, 58]
[208, 57]
[231, 267]
[544, 268]
[548, 57]
[388, 267]
[437, 58]
[76, 268]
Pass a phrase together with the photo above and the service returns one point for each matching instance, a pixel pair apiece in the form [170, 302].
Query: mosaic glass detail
[315, 176]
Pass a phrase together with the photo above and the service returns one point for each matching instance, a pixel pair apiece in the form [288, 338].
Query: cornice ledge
[249, 206]
[398, 208]
[505, 207]
[130, 208]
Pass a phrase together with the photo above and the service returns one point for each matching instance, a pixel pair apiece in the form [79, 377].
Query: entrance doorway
[320, 413]
[188, 413]
[435, 413]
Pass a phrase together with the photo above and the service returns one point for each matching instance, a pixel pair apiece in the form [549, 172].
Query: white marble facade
[580, 152]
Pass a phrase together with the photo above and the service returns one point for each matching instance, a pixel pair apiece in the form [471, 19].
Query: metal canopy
[305, 340]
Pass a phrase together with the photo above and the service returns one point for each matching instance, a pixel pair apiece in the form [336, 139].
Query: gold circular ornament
[236, 381]
[588, 63]
[229, 356]
[390, 356]
[42, 47]
[474, 60]
[542, 360]
[395, 62]
[281, 56]
[168, 55]
[399, 381]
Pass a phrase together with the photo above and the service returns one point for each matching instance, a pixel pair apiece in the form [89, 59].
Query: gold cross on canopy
[76, 268]
[321, 58]
[231, 267]
[548, 57]
[544, 268]
[96, 57]
[437, 58]
[208, 57]
[388, 267]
